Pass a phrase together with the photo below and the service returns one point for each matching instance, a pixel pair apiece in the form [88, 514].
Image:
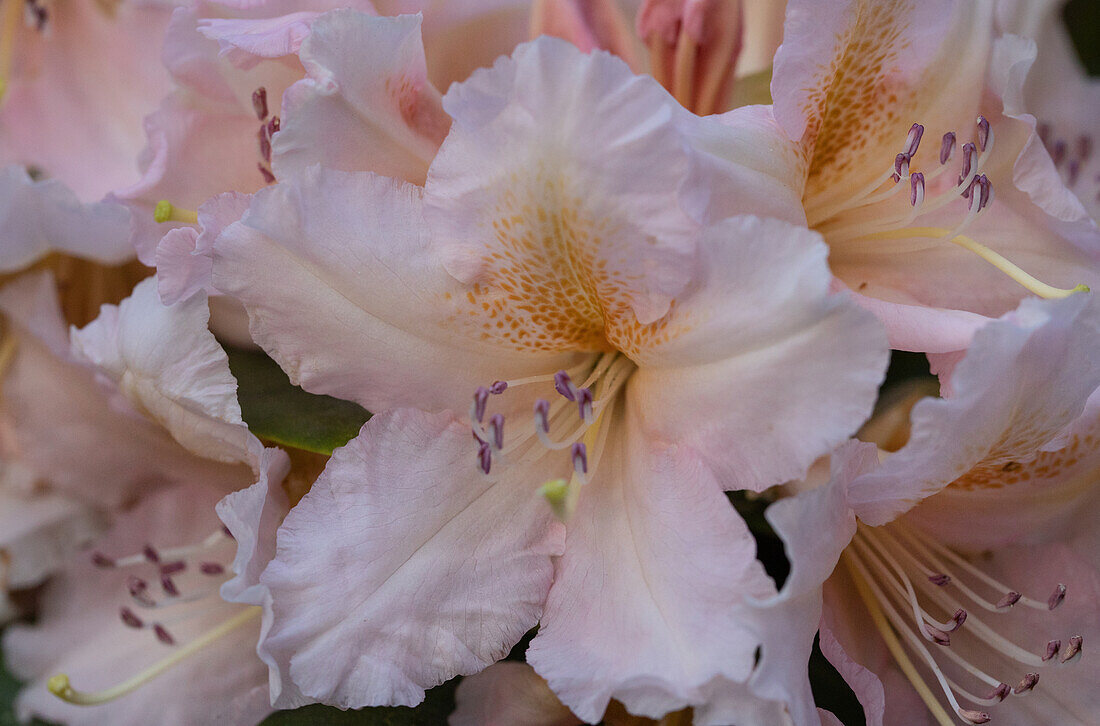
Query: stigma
[875, 215]
[570, 417]
[923, 595]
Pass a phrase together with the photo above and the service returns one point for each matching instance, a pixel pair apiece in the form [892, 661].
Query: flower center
[873, 216]
[906, 578]
[188, 579]
[572, 419]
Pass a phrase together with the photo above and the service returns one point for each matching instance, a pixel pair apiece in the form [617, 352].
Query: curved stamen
[1030, 283]
[59, 684]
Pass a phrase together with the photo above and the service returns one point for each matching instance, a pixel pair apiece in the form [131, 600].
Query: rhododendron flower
[909, 120]
[140, 398]
[76, 79]
[970, 550]
[145, 623]
[620, 359]
[217, 134]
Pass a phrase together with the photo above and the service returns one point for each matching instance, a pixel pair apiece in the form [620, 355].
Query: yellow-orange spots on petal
[996, 473]
[550, 280]
[857, 93]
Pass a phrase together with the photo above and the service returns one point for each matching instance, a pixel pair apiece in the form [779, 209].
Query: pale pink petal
[1024, 378]
[815, 527]
[184, 255]
[65, 431]
[39, 217]
[647, 601]
[79, 633]
[38, 531]
[244, 41]
[920, 327]
[553, 137]
[744, 164]
[166, 364]
[405, 565]
[760, 368]
[356, 246]
[1035, 497]
[79, 91]
[508, 694]
[253, 516]
[366, 105]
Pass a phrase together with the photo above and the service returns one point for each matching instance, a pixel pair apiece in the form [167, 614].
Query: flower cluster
[606, 298]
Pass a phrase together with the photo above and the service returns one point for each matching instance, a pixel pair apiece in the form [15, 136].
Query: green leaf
[436, 707]
[280, 412]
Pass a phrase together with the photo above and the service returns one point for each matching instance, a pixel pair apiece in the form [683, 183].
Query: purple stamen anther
[1053, 647]
[1011, 598]
[163, 635]
[259, 102]
[580, 458]
[1056, 597]
[947, 147]
[498, 387]
[1073, 171]
[496, 428]
[939, 637]
[939, 580]
[484, 458]
[101, 560]
[150, 554]
[269, 178]
[974, 717]
[564, 385]
[1029, 681]
[901, 165]
[265, 143]
[129, 618]
[481, 399]
[1000, 693]
[169, 587]
[983, 132]
[211, 568]
[1073, 648]
[135, 585]
[1058, 152]
[912, 141]
[273, 125]
[959, 618]
[916, 190]
[969, 151]
[584, 403]
[173, 567]
[542, 415]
